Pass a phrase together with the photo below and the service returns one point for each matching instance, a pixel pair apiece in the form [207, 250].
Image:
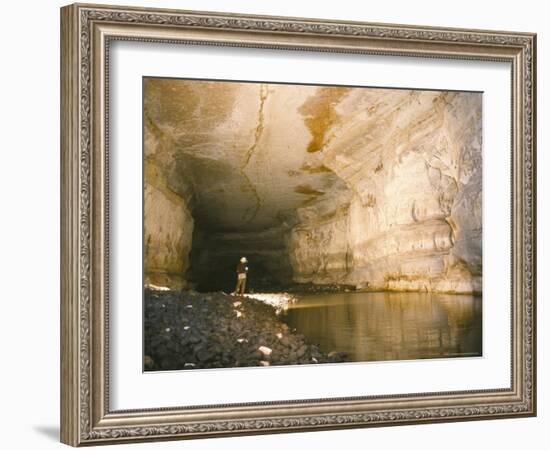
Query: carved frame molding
[86, 31]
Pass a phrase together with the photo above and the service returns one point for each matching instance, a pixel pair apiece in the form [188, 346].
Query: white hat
[243, 259]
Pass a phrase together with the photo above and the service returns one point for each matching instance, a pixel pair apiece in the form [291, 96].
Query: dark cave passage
[215, 254]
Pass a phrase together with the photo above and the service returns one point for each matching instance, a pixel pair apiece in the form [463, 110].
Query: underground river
[377, 326]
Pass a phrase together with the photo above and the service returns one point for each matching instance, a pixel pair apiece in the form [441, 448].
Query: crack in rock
[257, 135]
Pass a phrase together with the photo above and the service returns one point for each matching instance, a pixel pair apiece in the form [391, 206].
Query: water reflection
[379, 326]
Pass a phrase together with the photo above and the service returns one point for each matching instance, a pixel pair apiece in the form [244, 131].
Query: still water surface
[378, 326]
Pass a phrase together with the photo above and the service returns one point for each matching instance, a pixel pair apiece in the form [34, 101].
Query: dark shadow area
[49, 431]
[215, 254]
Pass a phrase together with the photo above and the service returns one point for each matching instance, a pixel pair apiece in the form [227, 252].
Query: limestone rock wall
[168, 227]
[167, 220]
[414, 219]
[319, 246]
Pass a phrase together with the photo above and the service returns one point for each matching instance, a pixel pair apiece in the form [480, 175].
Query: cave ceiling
[246, 156]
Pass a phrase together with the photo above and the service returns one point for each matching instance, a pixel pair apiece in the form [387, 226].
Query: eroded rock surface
[378, 188]
[413, 163]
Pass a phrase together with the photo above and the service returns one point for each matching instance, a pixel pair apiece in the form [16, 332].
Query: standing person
[242, 269]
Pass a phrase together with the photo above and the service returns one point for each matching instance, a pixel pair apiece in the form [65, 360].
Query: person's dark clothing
[241, 278]
[241, 267]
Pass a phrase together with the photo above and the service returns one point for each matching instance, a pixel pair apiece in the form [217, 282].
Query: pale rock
[266, 351]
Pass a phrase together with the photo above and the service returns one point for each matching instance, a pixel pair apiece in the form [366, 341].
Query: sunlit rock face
[379, 188]
[413, 163]
[167, 223]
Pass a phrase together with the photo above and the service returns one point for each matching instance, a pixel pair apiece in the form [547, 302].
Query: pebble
[266, 351]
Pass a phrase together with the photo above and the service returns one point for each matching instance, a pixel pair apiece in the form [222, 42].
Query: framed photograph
[275, 224]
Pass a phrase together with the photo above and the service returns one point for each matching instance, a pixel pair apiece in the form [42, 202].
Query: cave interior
[369, 187]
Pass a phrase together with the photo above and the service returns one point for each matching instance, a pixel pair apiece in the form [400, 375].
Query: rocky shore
[311, 288]
[191, 330]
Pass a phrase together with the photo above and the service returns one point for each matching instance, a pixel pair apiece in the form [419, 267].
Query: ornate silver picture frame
[87, 32]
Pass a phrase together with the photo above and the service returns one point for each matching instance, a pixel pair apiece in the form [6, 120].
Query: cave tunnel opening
[215, 254]
[235, 215]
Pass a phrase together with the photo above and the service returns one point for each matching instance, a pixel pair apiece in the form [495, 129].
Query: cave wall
[414, 219]
[167, 220]
[168, 227]
[319, 246]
